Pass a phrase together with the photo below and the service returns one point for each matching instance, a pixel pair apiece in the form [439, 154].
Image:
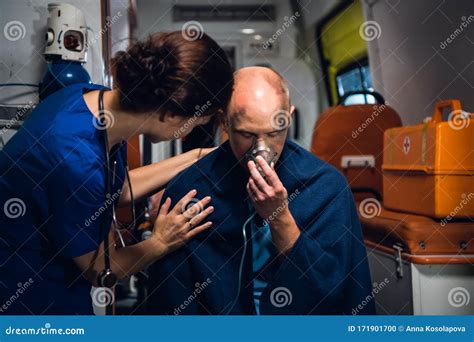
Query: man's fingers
[178, 208]
[195, 231]
[251, 195]
[270, 174]
[257, 194]
[257, 177]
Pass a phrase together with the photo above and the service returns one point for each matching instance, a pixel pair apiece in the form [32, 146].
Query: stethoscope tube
[107, 278]
[107, 180]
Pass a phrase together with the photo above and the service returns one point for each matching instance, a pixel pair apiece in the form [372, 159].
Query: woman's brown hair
[172, 72]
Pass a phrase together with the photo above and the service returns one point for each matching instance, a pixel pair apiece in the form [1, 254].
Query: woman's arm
[151, 178]
[123, 261]
[172, 229]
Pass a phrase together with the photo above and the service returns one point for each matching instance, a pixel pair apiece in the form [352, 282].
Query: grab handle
[439, 106]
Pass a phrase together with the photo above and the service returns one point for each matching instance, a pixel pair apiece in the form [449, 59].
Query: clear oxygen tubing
[241, 267]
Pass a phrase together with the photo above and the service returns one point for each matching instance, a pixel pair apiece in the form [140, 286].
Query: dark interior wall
[424, 53]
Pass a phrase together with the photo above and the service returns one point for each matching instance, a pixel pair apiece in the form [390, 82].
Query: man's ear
[226, 124]
[292, 110]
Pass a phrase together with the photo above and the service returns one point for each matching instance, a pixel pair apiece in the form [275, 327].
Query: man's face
[253, 114]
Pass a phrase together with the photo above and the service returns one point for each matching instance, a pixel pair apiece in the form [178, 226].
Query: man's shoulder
[308, 168]
[197, 176]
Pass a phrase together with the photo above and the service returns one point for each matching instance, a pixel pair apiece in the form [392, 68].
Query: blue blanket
[326, 272]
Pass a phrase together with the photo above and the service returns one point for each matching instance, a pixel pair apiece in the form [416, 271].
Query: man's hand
[268, 194]
[270, 200]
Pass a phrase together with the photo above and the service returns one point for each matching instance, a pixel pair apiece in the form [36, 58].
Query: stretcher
[419, 265]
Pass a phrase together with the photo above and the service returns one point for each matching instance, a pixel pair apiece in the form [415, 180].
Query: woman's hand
[174, 228]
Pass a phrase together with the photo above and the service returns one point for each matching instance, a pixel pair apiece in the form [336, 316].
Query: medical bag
[350, 137]
[428, 169]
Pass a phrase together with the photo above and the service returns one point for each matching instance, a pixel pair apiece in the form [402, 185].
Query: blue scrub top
[52, 199]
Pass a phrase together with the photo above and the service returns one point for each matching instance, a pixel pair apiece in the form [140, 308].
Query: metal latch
[359, 161]
[398, 260]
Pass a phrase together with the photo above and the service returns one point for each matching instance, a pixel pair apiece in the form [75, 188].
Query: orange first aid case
[428, 169]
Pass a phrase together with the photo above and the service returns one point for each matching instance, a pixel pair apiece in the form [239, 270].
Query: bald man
[286, 237]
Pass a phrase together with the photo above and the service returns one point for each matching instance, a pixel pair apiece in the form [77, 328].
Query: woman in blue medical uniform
[65, 169]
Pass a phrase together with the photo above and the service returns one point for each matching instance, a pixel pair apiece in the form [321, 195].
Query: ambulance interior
[383, 90]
